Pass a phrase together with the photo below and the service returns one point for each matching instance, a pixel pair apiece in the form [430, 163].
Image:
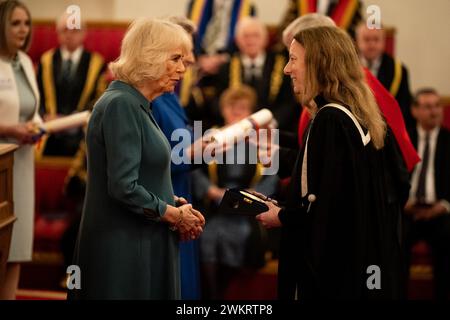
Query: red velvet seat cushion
[52, 208]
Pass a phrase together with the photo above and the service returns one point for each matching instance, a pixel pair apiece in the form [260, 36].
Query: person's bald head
[310, 20]
[370, 42]
[251, 36]
[69, 38]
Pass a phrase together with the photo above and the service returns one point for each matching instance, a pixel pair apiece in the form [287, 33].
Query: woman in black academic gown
[338, 240]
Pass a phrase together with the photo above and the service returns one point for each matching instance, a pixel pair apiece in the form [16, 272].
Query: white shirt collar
[74, 56]
[258, 61]
[375, 64]
[433, 133]
[430, 188]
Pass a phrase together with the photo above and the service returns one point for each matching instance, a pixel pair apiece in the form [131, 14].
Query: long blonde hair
[333, 70]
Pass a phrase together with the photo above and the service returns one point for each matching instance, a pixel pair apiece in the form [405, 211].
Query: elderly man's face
[175, 70]
[370, 43]
[251, 40]
[71, 39]
[295, 68]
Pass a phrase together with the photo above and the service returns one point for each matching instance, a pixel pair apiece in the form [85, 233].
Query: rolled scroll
[66, 123]
[238, 131]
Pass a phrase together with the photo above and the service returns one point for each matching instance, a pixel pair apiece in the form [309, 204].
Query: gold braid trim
[95, 67]
[198, 97]
[276, 77]
[78, 167]
[349, 14]
[258, 174]
[212, 172]
[304, 7]
[245, 9]
[395, 85]
[235, 72]
[48, 82]
[102, 84]
[196, 11]
[186, 86]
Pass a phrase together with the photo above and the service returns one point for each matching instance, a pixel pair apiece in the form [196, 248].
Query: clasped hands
[190, 222]
[24, 133]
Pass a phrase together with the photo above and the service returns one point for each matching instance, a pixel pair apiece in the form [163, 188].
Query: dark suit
[387, 75]
[273, 88]
[435, 231]
[63, 97]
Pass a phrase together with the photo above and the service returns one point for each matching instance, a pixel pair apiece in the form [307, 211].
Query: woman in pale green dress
[19, 101]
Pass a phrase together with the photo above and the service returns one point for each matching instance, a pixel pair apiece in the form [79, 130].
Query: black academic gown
[67, 95]
[325, 251]
[273, 89]
[386, 74]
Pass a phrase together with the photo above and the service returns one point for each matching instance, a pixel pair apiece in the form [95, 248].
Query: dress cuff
[154, 215]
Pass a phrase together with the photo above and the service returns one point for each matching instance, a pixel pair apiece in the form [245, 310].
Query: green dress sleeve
[122, 133]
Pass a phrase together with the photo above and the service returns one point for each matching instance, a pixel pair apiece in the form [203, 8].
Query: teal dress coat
[123, 250]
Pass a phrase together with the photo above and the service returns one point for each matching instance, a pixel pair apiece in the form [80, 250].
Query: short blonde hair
[145, 49]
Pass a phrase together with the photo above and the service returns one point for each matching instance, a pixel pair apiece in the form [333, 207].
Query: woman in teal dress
[128, 242]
